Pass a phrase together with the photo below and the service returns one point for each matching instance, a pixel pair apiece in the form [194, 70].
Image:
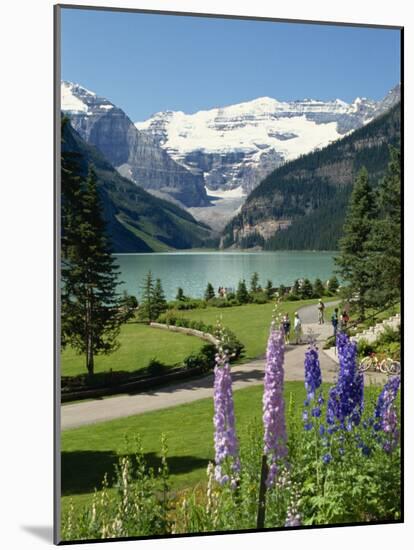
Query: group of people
[339, 322]
[222, 292]
[297, 328]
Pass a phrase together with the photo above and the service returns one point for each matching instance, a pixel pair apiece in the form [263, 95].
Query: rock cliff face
[136, 221]
[237, 146]
[134, 154]
[301, 205]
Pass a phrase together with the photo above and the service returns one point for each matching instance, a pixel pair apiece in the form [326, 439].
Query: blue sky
[146, 63]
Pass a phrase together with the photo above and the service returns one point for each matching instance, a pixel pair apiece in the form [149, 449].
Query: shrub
[219, 302]
[156, 368]
[365, 348]
[236, 348]
[259, 298]
[292, 298]
[388, 336]
[197, 325]
[329, 343]
[192, 362]
[186, 304]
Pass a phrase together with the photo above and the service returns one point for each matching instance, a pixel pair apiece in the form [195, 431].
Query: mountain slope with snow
[241, 144]
[134, 154]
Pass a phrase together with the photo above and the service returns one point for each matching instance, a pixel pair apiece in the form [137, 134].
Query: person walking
[286, 327]
[297, 327]
[321, 310]
[335, 321]
[344, 320]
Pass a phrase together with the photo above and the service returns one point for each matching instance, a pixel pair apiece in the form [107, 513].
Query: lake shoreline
[219, 251]
[193, 270]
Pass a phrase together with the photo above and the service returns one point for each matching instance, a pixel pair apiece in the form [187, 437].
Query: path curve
[248, 374]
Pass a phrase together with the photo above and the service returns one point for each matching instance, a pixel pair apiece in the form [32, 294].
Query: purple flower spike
[386, 413]
[313, 377]
[273, 403]
[313, 381]
[225, 439]
[346, 398]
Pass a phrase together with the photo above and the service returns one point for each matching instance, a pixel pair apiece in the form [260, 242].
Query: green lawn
[91, 451]
[138, 345]
[250, 322]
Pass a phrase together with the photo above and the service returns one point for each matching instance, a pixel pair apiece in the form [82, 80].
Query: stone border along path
[370, 334]
[248, 374]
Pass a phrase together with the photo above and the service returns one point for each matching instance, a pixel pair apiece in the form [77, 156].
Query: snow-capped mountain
[235, 147]
[134, 154]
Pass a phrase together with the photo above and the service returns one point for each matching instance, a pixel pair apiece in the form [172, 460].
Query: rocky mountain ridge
[136, 220]
[236, 147]
[301, 205]
[133, 153]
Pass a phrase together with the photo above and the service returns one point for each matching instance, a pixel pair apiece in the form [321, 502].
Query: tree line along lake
[193, 270]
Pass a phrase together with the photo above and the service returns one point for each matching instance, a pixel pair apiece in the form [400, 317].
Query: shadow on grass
[83, 471]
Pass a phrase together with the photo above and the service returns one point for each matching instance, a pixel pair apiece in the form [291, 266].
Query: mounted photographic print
[228, 274]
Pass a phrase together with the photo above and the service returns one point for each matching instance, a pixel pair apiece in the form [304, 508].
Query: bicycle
[387, 365]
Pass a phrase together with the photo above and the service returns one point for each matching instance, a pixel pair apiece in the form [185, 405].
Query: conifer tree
[333, 284]
[180, 294]
[353, 264]
[296, 288]
[254, 282]
[159, 301]
[307, 289]
[147, 309]
[242, 295]
[269, 289]
[318, 288]
[90, 305]
[209, 292]
[282, 290]
[384, 248]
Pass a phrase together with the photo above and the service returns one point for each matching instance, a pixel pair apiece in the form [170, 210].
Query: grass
[250, 322]
[380, 317]
[139, 344]
[91, 451]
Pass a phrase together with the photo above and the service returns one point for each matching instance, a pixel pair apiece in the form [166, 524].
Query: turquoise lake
[193, 270]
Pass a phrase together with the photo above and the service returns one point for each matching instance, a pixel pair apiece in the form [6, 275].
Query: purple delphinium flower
[225, 438]
[313, 381]
[313, 377]
[346, 398]
[386, 414]
[326, 459]
[273, 403]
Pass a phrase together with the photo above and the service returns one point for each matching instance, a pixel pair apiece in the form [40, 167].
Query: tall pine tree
[242, 294]
[147, 310]
[254, 282]
[385, 243]
[91, 315]
[159, 301]
[209, 292]
[353, 264]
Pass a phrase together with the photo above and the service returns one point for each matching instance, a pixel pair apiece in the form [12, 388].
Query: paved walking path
[248, 374]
